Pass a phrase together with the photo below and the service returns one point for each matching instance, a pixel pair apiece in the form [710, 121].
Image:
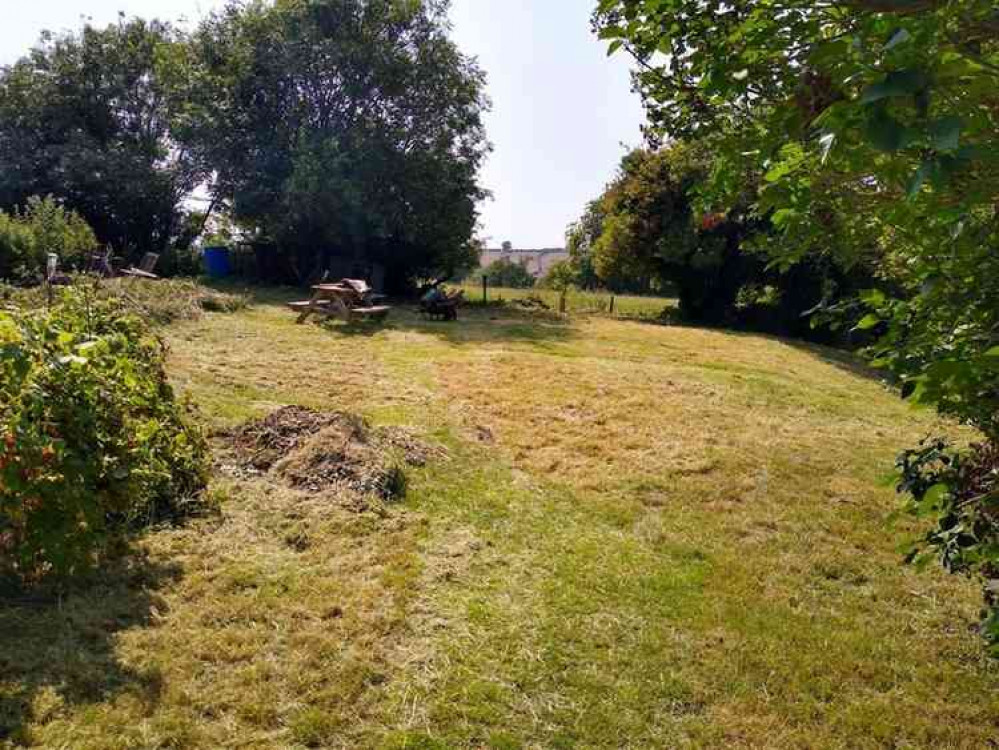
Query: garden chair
[99, 264]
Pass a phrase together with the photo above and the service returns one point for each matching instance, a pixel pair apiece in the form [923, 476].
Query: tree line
[348, 128]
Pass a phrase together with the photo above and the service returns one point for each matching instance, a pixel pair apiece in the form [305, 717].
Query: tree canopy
[327, 127]
[646, 232]
[344, 126]
[88, 118]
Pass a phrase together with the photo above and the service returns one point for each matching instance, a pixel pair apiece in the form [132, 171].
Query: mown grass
[642, 537]
[577, 301]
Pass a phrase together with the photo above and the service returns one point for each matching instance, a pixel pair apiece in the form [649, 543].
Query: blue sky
[561, 108]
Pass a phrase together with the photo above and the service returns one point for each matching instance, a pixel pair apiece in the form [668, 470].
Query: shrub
[93, 443]
[959, 489]
[41, 227]
[504, 272]
[561, 276]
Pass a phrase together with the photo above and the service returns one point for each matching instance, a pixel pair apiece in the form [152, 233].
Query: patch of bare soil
[318, 451]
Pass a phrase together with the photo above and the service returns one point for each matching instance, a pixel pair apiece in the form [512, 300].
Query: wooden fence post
[612, 305]
[561, 302]
[485, 286]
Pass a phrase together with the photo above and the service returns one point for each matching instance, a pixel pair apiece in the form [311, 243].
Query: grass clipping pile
[331, 453]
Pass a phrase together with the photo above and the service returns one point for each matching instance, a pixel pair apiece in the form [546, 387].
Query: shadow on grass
[477, 323]
[61, 650]
[842, 359]
[475, 326]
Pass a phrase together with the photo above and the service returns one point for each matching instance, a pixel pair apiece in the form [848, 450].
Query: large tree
[876, 124]
[89, 118]
[345, 127]
[647, 231]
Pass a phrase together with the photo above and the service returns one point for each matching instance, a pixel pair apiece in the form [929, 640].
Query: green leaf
[868, 322]
[901, 36]
[993, 352]
[946, 133]
[873, 297]
[919, 178]
[783, 217]
[884, 132]
[898, 83]
[614, 47]
[934, 495]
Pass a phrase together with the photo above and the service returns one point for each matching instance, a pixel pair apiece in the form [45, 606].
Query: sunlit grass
[642, 536]
[576, 301]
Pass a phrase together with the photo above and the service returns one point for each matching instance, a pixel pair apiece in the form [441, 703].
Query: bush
[42, 226]
[959, 489]
[561, 276]
[93, 443]
[504, 272]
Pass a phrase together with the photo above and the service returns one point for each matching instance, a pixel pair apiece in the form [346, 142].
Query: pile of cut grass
[330, 452]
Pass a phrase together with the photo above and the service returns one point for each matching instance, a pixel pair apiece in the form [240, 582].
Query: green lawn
[642, 537]
[625, 305]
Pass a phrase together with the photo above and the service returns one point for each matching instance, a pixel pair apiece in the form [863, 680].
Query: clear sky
[561, 108]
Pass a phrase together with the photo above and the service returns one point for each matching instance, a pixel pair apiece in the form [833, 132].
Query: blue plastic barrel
[217, 262]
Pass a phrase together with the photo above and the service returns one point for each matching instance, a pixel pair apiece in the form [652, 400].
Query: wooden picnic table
[347, 299]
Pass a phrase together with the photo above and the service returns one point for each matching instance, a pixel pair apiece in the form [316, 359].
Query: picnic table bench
[348, 299]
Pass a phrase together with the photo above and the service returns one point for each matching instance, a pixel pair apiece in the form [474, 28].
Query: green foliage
[876, 126]
[561, 276]
[94, 118]
[42, 226]
[94, 443]
[344, 128]
[505, 272]
[652, 232]
[580, 239]
[960, 490]
[648, 232]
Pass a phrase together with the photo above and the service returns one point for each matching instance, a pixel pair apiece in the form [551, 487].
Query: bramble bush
[959, 489]
[93, 442]
[42, 226]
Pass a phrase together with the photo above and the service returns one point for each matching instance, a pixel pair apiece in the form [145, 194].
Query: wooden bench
[378, 312]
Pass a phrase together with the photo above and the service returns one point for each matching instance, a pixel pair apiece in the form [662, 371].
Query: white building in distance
[537, 262]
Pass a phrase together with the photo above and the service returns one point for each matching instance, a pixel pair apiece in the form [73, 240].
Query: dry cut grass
[635, 536]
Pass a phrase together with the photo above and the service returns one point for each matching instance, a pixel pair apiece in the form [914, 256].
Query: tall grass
[159, 302]
[577, 302]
